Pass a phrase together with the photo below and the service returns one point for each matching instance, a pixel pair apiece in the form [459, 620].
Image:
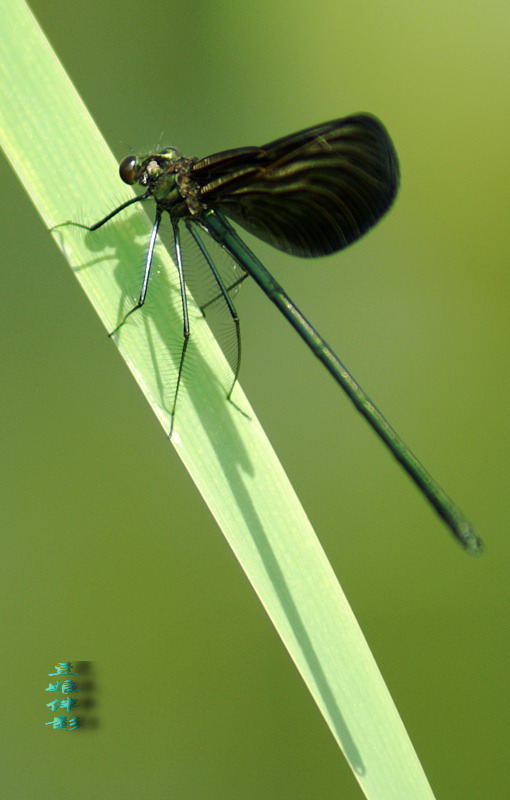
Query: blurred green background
[108, 552]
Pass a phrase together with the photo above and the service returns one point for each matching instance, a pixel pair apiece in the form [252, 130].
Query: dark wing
[308, 194]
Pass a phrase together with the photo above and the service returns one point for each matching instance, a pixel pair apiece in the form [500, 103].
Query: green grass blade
[67, 170]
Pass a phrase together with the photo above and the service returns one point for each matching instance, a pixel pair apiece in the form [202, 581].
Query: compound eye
[129, 169]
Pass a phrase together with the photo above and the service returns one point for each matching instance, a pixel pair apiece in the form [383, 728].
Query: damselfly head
[147, 169]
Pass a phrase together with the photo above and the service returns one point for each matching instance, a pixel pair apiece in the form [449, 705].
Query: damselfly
[308, 194]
